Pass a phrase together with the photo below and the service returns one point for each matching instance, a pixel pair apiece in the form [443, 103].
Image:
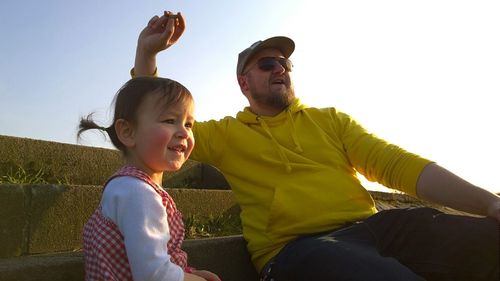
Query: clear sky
[422, 74]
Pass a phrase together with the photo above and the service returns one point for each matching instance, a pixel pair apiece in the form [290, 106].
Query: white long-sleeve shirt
[137, 210]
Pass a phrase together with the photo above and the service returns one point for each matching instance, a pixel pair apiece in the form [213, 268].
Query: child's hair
[129, 98]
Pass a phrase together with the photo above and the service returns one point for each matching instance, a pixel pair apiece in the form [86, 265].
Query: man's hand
[160, 33]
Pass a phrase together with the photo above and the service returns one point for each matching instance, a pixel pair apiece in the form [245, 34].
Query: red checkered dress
[104, 249]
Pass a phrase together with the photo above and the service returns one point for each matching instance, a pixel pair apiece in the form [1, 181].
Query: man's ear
[125, 132]
[242, 81]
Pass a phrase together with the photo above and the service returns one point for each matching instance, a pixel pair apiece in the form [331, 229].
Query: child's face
[163, 136]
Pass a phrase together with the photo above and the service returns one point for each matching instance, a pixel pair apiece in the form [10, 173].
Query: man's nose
[278, 68]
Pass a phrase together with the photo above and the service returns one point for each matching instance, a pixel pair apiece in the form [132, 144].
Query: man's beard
[278, 101]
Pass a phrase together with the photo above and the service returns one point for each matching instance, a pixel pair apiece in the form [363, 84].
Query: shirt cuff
[132, 73]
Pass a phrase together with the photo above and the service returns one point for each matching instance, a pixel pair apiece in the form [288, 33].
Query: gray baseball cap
[282, 43]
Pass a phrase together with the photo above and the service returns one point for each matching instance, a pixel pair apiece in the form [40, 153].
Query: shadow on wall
[43, 218]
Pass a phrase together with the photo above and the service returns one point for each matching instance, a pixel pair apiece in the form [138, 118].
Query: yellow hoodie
[295, 173]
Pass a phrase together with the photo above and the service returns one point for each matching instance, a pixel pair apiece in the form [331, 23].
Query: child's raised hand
[207, 275]
[161, 33]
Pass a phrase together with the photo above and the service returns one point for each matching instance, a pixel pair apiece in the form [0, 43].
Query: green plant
[64, 181]
[211, 226]
[31, 175]
[22, 176]
[194, 228]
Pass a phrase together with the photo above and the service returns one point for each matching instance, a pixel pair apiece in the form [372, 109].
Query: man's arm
[438, 185]
[160, 33]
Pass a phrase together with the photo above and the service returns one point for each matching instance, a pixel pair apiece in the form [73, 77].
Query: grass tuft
[21, 176]
[211, 226]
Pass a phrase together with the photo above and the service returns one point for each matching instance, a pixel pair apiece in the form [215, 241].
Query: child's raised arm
[160, 33]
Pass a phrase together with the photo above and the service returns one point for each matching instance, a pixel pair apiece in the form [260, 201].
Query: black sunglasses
[270, 63]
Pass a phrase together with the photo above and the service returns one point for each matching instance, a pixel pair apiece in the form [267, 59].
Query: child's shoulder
[128, 199]
[125, 186]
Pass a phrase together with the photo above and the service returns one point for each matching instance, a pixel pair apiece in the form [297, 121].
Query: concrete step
[58, 163]
[42, 219]
[225, 256]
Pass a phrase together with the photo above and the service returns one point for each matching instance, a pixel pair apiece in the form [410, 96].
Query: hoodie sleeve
[377, 159]
[210, 139]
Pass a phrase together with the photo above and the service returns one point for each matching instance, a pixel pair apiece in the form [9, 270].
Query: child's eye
[168, 121]
[188, 125]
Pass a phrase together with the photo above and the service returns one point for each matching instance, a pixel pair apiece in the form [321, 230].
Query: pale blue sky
[421, 74]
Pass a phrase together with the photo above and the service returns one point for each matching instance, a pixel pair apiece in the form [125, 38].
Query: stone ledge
[39, 219]
[55, 267]
[85, 165]
[225, 256]
[385, 200]
[75, 163]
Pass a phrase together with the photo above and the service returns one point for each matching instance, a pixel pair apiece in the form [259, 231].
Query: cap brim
[284, 44]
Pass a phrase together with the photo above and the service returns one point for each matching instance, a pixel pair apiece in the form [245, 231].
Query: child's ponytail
[87, 123]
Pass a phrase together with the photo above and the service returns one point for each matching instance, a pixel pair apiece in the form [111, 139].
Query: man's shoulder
[211, 126]
[224, 120]
[328, 114]
[321, 110]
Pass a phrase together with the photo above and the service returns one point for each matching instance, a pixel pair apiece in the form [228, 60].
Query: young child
[136, 233]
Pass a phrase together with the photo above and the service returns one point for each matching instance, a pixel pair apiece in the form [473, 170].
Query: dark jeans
[398, 244]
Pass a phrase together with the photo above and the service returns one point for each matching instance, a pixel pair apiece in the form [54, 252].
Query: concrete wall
[37, 219]
[59, 161]
[84, 165]
[225, 256]
[41, 226]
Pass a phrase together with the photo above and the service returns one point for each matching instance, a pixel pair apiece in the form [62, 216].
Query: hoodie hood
[283, 118]
[248, 117]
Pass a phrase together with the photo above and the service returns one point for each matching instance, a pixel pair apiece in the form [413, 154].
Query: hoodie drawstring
[298, 148]
[283, 157]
